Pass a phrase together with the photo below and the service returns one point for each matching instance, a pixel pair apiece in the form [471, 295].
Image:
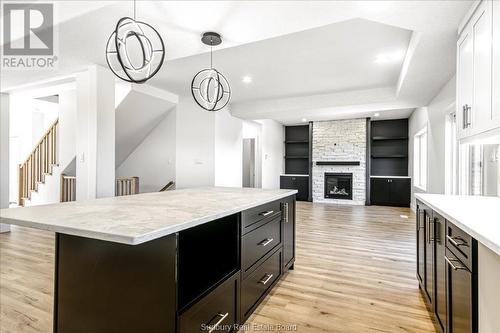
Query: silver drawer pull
[285, 212]
[266, 241]
[450, 262]
[453, 240]
[214, 326]
[267, 213]
[266, 279]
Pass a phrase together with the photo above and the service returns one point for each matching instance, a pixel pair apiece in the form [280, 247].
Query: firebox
[338, 186]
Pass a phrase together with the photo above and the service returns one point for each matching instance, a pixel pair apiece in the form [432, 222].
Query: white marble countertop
[140, 218]
[478, 216]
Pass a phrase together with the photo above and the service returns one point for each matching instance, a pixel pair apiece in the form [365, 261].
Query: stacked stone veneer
[339, 140]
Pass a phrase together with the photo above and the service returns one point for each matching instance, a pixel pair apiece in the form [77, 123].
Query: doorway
[248, 162]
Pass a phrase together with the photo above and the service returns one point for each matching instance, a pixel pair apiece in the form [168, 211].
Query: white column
[95, 134]
[4, 156]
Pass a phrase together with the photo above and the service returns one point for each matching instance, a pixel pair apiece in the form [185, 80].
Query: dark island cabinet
[207, 278]
[447, 271]
[220, 285]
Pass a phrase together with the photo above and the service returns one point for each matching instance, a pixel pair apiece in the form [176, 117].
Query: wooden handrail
[54, 125]
[38, 164]
[127, 186]
[68, 188]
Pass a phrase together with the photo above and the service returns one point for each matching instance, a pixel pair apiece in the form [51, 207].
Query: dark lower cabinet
[299, 183]
[106, 287]
[217, 312]
[221, 299]
[429, 254]
[259, 282]
[440, 269]
[420, 244]
[460, 304]
[390, 191]
[447, 271]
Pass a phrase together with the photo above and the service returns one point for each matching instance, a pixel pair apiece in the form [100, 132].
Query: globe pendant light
[209, 87]
[135, 50]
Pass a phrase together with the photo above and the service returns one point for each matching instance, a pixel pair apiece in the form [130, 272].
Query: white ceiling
[326, 49]
[336, 57]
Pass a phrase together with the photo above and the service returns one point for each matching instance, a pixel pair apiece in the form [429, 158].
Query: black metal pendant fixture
[209, 87]
[135, 50]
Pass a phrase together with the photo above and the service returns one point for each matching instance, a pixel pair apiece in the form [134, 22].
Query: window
[420, 159]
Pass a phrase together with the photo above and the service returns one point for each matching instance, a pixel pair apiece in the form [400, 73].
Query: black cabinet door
[299, 183]
[380, 191]
[421, 245]
[288, 232]
[460, 303]
[429, 254]
[390, 191]
[440, 267]
[400, 191]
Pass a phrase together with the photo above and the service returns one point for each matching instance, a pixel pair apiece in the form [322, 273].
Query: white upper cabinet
[478, 71]
[495, 112]
[464, 83]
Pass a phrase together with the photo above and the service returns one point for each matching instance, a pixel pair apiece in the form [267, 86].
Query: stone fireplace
[339, 148]
[338, 186]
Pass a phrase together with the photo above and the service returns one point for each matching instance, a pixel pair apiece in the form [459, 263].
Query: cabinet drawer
[250, 218]
[255, 286]
[460, 243]
[218, 310]
[259, 242]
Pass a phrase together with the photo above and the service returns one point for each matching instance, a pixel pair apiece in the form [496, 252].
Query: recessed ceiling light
[304, 120]
[247, 79]
[376, 114]
[389, 57]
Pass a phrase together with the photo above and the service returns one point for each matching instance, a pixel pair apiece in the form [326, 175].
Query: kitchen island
[181, 261]
[458, 260]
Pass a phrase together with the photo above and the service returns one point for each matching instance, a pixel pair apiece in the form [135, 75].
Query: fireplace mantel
[338, 162]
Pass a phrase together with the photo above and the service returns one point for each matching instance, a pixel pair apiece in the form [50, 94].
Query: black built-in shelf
[298, 158]
[389, 157]
[389, 147]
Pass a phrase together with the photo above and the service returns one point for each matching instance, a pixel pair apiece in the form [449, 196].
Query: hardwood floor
[355, 272]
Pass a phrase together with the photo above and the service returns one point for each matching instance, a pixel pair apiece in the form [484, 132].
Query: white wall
[67, 126]
[434, 117]
[228, 150]
[153, 161]
[95, 133]
[195, 145]
[273, 136]
[4, 156]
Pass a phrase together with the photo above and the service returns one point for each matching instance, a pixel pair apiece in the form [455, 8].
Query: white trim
[468, 16]
[418, 163]
[420, 188]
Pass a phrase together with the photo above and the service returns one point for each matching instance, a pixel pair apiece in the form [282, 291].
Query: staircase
[39, 164]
